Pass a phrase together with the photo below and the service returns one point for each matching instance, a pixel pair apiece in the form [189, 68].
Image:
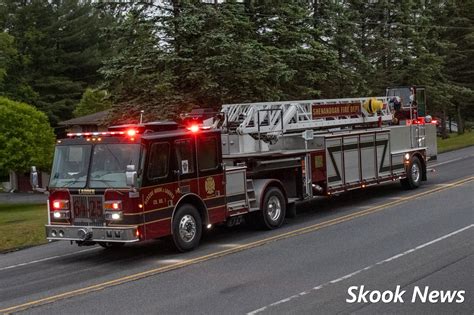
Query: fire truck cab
[137, 182]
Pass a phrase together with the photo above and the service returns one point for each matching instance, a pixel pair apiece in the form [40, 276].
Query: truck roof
[177, 133]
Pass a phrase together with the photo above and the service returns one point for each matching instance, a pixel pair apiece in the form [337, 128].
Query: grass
[455, 141]
[22, 225]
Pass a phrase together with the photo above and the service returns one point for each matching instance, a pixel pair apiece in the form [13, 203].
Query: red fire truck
[251, 162]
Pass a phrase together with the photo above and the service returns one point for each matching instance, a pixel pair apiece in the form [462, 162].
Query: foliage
[8, 53]
[201, 55]
[92, 101]
[60, 50]
[459, 66]
[165, 57]
[26, 137]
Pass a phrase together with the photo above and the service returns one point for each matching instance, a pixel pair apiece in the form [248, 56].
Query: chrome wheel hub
[274, 208]
[187, 228]
[415, 172]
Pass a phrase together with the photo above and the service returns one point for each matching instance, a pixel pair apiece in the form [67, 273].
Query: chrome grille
[87, 222]
[88, 210]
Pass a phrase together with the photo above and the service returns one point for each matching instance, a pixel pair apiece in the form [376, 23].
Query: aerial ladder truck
[252, 162]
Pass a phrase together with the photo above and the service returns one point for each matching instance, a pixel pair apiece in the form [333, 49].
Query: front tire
[414, 174]
[187, 228]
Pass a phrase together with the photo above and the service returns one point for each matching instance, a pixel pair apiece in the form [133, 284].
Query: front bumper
[92, 233]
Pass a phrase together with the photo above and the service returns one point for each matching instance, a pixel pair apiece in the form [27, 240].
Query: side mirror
[34, 178]
[131, 176]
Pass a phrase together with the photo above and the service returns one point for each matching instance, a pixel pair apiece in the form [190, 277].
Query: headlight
[61, 214]
[113, 215]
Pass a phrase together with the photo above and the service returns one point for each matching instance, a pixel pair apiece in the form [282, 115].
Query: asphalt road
[382, 237]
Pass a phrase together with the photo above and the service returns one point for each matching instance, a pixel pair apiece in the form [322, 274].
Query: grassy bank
[455, 141]
[21, 225]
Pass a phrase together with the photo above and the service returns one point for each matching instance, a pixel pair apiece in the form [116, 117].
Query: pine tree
[61, 50]
[459, 65]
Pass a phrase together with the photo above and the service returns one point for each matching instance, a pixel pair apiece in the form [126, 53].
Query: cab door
[211, 175]
[157, 188]
[185, 170]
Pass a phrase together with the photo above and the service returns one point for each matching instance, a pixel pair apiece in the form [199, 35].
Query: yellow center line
[151, 272]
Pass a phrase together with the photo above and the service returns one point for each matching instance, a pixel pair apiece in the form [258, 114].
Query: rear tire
[187, 228]
[414, 174]
[273, 210]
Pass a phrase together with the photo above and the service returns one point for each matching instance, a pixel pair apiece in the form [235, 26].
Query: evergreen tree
[459, 61]
[59, 42]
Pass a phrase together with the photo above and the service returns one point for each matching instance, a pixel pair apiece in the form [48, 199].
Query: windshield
[109, 163]
[403, 93]
[70, 166]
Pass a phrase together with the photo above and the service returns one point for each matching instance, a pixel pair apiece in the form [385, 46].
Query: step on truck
[251, 162]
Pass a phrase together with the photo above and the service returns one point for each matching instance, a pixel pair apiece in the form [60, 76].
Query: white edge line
[46, 259]
[451, 161]
[288, 299]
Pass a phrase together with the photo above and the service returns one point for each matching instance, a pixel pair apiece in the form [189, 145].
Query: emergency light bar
[196, 128]
[130, 132]
[423, 120]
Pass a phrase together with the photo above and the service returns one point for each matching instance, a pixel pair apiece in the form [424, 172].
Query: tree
[92, 101]
[26, 136]
[459, 61]
[12, 81]
[194, 54]
[7, 53]
[61, 48]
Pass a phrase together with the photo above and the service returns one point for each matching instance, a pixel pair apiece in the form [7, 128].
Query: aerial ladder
[277, 118]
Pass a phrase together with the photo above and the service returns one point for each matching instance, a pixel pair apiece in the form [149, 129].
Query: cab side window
[208, 154]
[158, 164]
[185, 156]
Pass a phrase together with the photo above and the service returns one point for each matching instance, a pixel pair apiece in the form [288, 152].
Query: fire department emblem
[210, 185]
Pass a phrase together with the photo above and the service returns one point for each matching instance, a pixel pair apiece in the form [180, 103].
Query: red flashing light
[61, 204]
[434, 121]
[419, 121]
[194, 128]
[131, 132]
[115, 205]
